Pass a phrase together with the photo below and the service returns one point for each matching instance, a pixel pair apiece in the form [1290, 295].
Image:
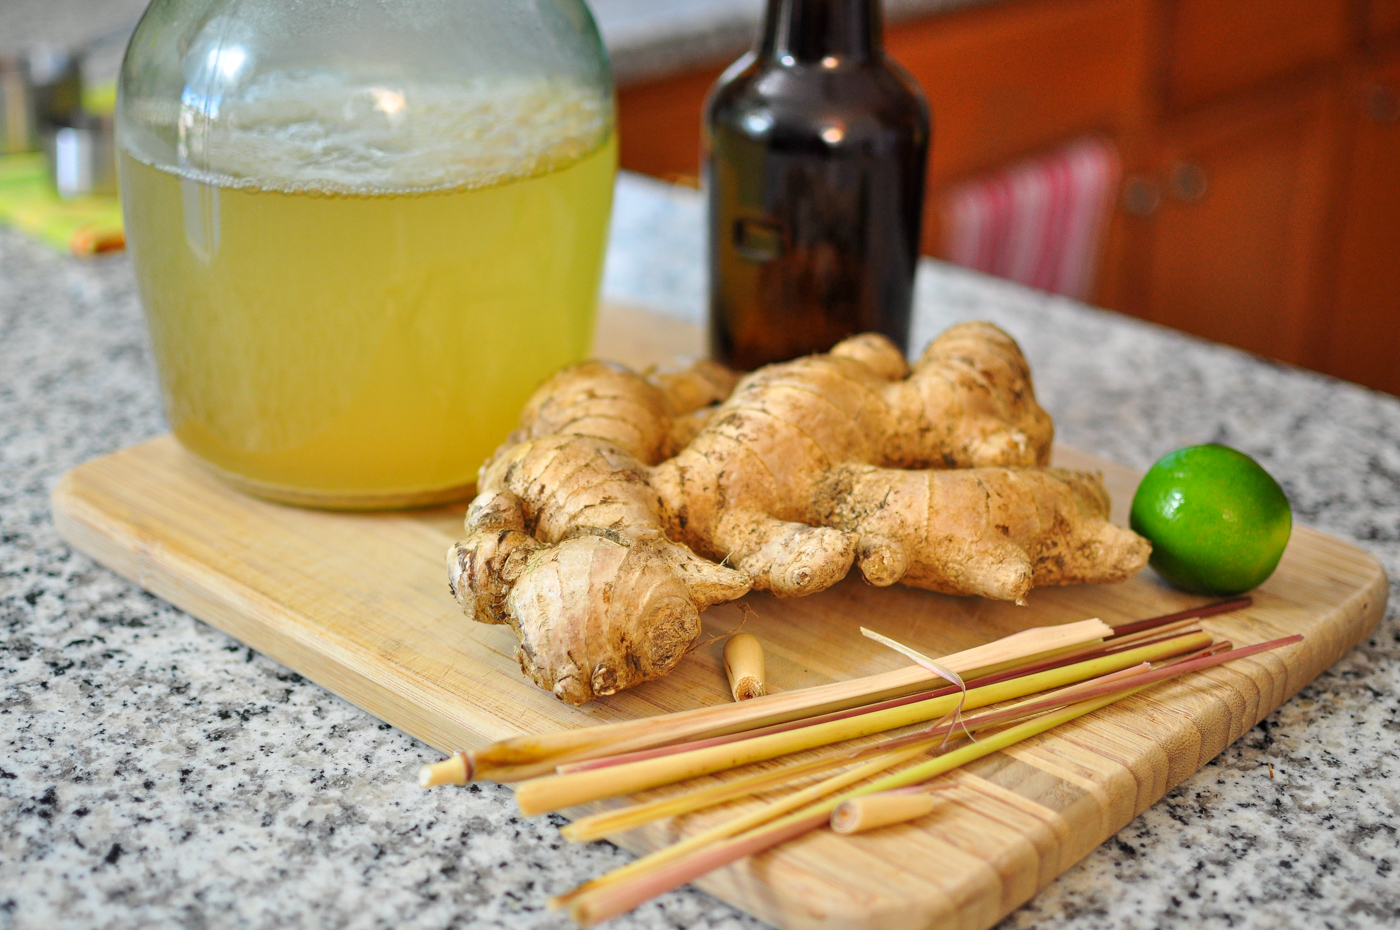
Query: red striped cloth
[1038, 222]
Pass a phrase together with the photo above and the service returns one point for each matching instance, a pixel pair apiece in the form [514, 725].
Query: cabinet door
[1215, 48]
[1382, 20]
[1229, 236]
[1364, 343]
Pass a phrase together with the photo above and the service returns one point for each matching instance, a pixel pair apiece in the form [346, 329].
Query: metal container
[82, 156]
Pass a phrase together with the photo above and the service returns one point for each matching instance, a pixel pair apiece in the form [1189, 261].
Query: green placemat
[28, 202]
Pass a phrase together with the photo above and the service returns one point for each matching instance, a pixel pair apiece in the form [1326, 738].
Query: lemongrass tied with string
[1061, 660]
[531, 756]
[925, 662]
[525, 757]
[729, 829]
[884, 756]
[550, 793]
[609, 896]
[613, 822]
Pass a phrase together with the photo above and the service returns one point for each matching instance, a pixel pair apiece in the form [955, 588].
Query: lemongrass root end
[879, 810]
[453, 770]
[743, 663]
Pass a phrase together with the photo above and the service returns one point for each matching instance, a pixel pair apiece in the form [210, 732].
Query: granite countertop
[153, 771]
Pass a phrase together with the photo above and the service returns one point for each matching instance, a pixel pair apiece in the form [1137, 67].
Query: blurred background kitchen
[1230, 168]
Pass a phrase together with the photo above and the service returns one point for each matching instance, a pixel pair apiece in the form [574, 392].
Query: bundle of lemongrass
[1029, 682]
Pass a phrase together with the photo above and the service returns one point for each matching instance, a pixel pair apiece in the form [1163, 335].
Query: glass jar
[363, 230]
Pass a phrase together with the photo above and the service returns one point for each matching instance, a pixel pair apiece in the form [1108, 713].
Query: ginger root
[625, 504]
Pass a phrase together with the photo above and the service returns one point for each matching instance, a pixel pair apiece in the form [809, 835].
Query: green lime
[1217, 521]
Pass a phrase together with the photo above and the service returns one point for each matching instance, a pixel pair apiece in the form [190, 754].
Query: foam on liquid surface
[314, 132]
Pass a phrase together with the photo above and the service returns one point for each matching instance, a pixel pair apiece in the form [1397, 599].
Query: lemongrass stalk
[1114, 642]
[612, 822]
[752, 819]
[879, 810]
[622, 819]
[1019, 710]
[908, 747]
[1204, 610]
[529, 756]
[609, 896]
[616, 898]
[550, 793]
[1067, 658]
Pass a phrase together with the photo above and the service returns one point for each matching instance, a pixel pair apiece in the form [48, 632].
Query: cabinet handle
[1380, 103]
[1189, 182]
[1141, 196]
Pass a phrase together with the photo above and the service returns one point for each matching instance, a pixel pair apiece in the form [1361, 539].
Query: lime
[1218, 522]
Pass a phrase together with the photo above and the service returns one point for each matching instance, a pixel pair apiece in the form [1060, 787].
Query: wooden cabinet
[1363, 341]
[1231, 235]
[1212, 48]
[1003, 82]
[1260, 141]
[1016, 78]
[1381, 20]
[658, 125]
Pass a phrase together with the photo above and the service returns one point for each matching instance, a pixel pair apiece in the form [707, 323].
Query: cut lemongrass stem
[530, 756]
[607, 896]
[743, 664]
[880, 810]
[450, 771]
[550, 793]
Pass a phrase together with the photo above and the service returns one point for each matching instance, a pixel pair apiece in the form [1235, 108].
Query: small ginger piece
[626, 504]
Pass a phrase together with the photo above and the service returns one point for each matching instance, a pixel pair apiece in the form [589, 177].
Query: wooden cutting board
[359, 604]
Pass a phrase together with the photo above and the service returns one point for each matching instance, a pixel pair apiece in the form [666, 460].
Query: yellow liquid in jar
[364, 348]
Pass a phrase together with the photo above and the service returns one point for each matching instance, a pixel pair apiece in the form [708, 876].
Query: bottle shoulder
[771, 101]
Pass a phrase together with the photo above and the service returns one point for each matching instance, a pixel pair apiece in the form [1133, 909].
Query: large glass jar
[364, 230]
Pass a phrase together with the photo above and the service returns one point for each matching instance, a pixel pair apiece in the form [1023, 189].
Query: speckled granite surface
[155, 772]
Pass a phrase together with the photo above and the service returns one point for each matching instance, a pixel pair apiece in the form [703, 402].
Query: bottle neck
[821, 31]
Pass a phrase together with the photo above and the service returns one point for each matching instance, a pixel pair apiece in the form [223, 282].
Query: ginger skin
[599, 524]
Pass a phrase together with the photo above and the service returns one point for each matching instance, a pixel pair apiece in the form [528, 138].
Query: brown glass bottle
[814, 152]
